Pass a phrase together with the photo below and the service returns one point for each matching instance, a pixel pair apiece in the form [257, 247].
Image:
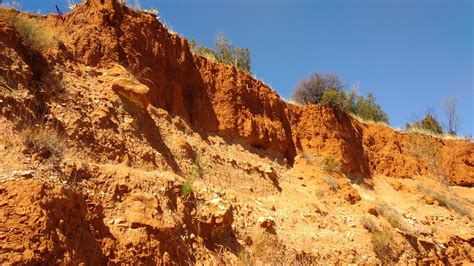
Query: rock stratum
[104, 130]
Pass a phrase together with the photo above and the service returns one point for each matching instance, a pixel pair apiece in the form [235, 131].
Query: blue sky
[411, 54]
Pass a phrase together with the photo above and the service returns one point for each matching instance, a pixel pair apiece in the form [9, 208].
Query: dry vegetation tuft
[33, 35]
[428, 151]
[370, 224]
[381, 243]
[332, 183]
[380, 237]
[449, 202]
[330, 164]
[394, 217]
[45, 141]
[197, 172]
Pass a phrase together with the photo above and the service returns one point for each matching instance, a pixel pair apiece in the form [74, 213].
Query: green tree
[226, 53]
[368, 109]
[429, 123]
[311, 89]
[336, 99]
[328, 89]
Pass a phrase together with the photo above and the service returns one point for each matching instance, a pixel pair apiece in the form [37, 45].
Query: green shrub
[335, 99]
[366, 108]
[224, 52]
[328, 89]
[187, 186]
[312, 88]
[197, 172]
[428, 123]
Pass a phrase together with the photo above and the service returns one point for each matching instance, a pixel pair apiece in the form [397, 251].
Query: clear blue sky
[411, 54]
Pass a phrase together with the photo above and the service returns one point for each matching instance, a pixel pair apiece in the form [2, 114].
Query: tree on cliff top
[328, 89]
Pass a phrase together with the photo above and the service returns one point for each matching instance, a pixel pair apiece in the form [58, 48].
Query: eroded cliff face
[220, 99]
[132, 109]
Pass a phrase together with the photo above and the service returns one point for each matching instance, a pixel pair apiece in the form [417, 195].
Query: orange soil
[137, 107]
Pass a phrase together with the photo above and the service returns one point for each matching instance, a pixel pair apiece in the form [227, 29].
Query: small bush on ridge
[429, 123]
[328, 89]
[224, 52]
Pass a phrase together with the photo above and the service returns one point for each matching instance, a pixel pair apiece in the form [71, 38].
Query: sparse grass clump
[381, 243]
[197, 172]
[369, 223]
[330, 164]
[33, 35]
[379, 236]
[188, 186]
[448, 202]
[332, 183]
[45, 141]
[428, 152]
[393, 217]
[308, 156]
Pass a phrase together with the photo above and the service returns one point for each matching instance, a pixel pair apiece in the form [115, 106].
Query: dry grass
[290, 101]
[448, 202]
[330, 164]
[320, 193]
[381, 243]
[370, 224]
[332, 183]
[45, 141]
[368, 121]
[380, 237]
[207, 53]
[266, 248]
[33, 35]
[428, 151]
[415, 130]
[394, 217]
[308, 156]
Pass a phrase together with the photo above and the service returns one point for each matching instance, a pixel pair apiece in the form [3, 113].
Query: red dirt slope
[221, 99]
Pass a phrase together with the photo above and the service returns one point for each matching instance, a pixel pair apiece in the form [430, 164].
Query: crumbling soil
[161, 157]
